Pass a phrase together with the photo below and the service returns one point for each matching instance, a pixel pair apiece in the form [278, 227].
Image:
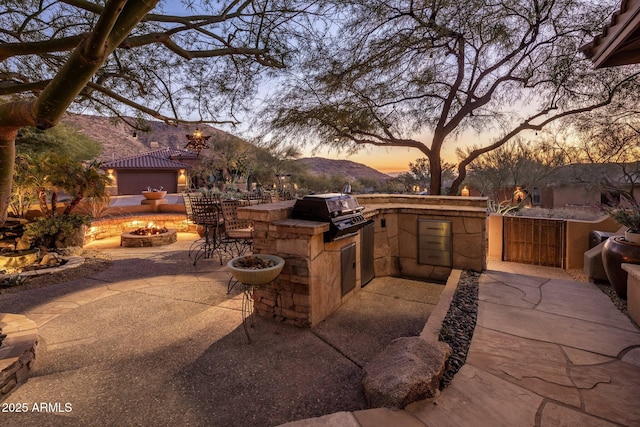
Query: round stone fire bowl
[259, 276]
[129, 240]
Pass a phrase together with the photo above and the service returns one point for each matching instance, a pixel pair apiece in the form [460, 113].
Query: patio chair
[251, 196]
[237, 234]
[205, 213]
[265, 198]
[186, 197]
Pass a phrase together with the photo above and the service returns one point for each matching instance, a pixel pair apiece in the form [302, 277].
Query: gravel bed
[611, 293]
[578, 274]
[459, 324]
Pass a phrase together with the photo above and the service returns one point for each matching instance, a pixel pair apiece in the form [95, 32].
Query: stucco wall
[577, 238]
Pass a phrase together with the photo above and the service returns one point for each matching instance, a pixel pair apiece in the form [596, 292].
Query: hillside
[345, 168]
[118, 140]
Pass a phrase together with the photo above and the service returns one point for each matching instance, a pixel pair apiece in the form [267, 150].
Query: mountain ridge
[119, 140]
[348, 169]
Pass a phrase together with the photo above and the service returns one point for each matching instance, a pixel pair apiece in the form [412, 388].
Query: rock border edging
[18, 351]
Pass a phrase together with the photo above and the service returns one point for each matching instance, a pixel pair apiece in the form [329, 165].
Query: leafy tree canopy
[161, 66]
[418, 74]
[518, 163]
[134, 57]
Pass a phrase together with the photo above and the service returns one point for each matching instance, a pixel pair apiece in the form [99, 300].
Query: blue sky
[386, 160]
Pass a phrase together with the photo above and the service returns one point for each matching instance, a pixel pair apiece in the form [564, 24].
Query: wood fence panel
[538, 241]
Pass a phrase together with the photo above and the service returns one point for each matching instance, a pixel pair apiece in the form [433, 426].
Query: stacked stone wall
[309, 288]
[115, 226]
[17, 352]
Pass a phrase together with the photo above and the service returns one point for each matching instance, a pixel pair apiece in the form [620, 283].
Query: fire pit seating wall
[116, 225]
[310, 286]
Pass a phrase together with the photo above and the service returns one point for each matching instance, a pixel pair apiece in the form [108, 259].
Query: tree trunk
[462, 174]
[54, 203]
[436, 173]
[42, 201]
[74, 202]
[435, 184]
[117, 20]
[8, 150]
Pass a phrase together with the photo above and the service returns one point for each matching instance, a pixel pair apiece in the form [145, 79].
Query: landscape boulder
[408, 370]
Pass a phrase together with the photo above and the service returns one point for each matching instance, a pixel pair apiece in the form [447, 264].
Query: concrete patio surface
[546, 351]
[154, 340]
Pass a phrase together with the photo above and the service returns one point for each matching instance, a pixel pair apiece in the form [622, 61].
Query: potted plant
[628, 217]
[618, 249]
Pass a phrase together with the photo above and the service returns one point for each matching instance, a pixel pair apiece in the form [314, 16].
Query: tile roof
[164, 158]
[620, 40]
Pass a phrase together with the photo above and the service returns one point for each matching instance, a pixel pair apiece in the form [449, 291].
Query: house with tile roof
[166, 168]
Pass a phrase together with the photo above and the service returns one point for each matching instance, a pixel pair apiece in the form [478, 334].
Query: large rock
[409, 369]
[75, 238]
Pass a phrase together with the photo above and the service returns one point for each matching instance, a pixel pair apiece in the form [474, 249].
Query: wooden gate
[538, 241]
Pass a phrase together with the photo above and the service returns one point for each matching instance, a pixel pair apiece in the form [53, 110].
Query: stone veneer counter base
[310, 286]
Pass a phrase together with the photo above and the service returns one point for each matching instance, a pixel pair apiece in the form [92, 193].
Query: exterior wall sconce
[182, 178]
[465, 191]
[111, 176]
[519, 195]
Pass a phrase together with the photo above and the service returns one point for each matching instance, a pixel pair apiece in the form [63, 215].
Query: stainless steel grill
[341, 211]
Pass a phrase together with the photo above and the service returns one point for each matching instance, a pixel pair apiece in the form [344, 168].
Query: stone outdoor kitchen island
[310, 286]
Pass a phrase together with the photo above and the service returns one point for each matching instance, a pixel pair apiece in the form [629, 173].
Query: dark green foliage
[57, 231]
[627, 213]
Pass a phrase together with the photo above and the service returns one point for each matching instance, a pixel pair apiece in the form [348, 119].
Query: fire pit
[148, 236]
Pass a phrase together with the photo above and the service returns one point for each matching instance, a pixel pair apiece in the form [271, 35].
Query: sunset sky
[395, 159]
[387, 160]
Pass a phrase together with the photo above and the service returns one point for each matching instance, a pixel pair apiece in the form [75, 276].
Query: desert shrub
[58, 231]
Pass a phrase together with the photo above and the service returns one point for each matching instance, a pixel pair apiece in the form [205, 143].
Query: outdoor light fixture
[197, 141]
[465, 191]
